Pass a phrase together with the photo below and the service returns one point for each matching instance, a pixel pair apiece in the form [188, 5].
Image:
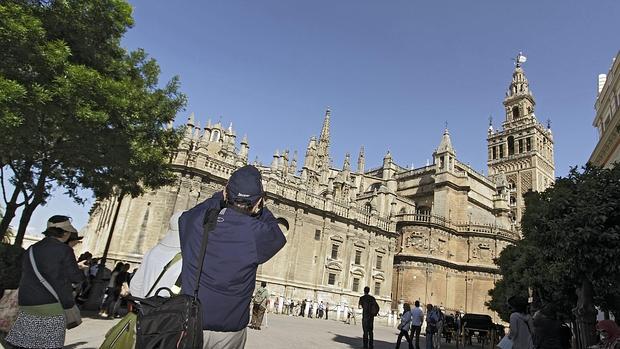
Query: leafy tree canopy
[571, 234]
[76, 109]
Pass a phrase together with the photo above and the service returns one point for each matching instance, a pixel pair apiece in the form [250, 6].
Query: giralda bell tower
[523, 149]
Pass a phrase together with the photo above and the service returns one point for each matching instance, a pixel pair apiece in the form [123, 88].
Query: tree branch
[3, 188]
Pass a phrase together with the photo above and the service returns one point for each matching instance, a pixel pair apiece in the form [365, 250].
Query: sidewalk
[281, 332]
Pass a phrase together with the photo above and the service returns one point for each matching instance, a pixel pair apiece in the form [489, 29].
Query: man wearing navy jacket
[246, 235]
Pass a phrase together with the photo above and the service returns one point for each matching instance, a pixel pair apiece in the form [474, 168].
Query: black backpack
[175, 321]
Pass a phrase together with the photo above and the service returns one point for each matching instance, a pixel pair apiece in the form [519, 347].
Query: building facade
[427, 234]
[607, 119]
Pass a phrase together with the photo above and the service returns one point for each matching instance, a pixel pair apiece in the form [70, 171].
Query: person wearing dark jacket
[41, 320]
[246, 235]
[366, 303]
[547, 329]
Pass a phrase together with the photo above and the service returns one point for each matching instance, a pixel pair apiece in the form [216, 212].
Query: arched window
[515, 113]
[367, 207]
[511, 145]
[215, 136]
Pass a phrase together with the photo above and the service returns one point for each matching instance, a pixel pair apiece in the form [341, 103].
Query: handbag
[73, 318]
[8, 310]
[505, 343]
[123, 334]
[175, 321]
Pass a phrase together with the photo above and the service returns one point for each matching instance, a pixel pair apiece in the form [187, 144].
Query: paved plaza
[281, 332]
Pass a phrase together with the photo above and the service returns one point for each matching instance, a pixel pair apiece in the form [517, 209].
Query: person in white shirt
[417, 318]
[405, 323]
[154, 262]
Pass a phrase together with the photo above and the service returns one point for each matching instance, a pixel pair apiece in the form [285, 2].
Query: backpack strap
[174, 259]
[209, 222]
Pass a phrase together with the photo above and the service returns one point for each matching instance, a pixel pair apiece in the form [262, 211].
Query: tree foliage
[76, 109]
[571, 234]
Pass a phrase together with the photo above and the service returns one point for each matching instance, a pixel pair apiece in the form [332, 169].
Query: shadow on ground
[357, 342]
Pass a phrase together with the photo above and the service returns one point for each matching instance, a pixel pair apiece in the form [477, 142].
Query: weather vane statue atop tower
[520, 59]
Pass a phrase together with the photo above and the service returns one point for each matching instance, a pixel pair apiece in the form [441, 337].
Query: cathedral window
[515, 112]
[520, 146]
[379, 262]
[501, 151]
[513, 201]
[528, 144]
[331, 279]
[358, 257]
[356, 285]
[494, 153]
[511, 145]
[377, 288]
[368, 207]
[317, 234]
[335, 251]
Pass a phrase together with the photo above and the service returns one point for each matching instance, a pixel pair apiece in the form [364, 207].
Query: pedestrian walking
[245, 236]
[521, 324]
[112, 292]
[326, 310]
[431, 325]
[45, 292]
[259, 306]
[321, 309]
[417, 318]
[405, 324]
[440, 321]
[311, 309]
[370, 309]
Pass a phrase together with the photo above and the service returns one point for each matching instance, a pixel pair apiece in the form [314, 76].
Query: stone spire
[245, 148]
[445, 156]
[325, 130]
[446, 143]
[310, 159]
[276, 160]
[323, 144]
[347, 163]
[361, 161]
[293, 167]
[190, 120]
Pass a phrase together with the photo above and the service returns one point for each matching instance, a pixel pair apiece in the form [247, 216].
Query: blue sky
[393, 72]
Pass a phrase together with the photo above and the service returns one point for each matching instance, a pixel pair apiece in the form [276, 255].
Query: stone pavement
[281, 332]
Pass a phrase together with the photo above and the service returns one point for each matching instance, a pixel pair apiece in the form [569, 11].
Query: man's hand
[257, 206]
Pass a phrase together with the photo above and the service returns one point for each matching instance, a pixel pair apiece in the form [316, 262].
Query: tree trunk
[38, 197]
[24, 220]
[585, 316]
[9, 213]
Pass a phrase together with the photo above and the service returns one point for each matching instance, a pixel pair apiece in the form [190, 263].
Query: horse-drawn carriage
[482, 327]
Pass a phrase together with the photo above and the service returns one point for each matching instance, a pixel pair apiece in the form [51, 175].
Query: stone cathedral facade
[427, 234]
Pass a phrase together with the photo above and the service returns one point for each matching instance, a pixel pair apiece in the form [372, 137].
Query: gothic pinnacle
[325, 129]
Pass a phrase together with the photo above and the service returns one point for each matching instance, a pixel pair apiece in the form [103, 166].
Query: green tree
[568, 254]
[76, 109]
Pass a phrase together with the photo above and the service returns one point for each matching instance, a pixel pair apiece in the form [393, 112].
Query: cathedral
[427, 234]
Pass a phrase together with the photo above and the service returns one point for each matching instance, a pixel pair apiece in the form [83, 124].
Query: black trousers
[367, 327]
[400, 337]
[415, 333]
